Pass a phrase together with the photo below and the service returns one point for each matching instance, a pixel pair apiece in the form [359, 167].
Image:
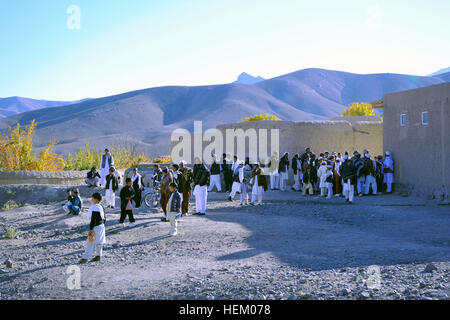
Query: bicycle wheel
[151, 200]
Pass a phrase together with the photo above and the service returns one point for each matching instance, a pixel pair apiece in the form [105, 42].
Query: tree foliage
[16, 151]
[17, 154]
[163, 159]
[260, 117]
[358, 109]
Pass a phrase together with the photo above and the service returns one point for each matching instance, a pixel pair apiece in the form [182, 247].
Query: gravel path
[292, 247]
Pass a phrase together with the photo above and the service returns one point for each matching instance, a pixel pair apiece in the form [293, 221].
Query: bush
[88, 157]
[10, 205]
[16, 152]
[260, 117]
[11, 232]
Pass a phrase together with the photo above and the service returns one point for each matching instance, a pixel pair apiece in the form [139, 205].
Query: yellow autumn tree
[16, 151]
[163, 159]
[260, 117]
[358, 109]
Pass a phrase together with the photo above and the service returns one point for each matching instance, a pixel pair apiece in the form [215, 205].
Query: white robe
[105, 171]
[99, 234]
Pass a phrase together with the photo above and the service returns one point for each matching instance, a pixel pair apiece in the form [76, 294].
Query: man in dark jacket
[185, 180]
[283, 169]
[126, 198]
[201, 183]
[348, 174]
[227, 172]
[215, 175]
[358, 164]
[111, 186]
[297, 169]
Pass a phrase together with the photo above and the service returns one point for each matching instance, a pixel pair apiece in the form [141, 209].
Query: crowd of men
[326, 175]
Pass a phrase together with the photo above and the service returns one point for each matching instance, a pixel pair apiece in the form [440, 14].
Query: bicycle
[153, 196]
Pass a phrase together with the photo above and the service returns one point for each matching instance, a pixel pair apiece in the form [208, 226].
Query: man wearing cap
[388, 170]
[106, 162]
[93, 178]
[238, 177]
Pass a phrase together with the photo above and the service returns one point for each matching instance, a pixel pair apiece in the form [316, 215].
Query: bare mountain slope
[149, 116]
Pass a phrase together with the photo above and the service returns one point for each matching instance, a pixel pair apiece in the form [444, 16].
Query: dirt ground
[292, 247]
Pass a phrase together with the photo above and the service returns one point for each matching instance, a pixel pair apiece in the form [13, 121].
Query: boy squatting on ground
[74, 203]
[173, 208]
[96, 237]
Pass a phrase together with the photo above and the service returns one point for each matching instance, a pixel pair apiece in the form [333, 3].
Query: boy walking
[173, 208]
[244, 192]
[126, 207]
[96, 238]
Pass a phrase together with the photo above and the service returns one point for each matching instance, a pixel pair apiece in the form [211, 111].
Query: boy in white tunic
[96, 238]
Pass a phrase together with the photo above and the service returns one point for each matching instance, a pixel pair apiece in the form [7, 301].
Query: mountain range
[14, 105]
[147, 117]
[245, 78]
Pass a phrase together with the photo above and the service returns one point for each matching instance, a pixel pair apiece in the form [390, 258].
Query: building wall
[421, 153]
[339, 136]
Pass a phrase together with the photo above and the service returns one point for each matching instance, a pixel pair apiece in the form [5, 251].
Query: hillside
[149, 116]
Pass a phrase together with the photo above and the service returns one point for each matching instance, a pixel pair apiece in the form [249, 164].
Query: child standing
[307, 185]
[329, 181]
[96, 238]
[126, 208]
[173, 208]
[244, 192]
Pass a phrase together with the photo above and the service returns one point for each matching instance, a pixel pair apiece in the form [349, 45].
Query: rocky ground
[292, 247]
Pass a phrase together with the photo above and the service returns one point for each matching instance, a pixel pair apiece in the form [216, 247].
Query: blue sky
[124, 45]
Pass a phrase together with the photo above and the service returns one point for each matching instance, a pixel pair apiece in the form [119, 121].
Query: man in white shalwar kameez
[273, 170]
[388, 169]
[106, 162]
[97, 238]
[257, 189]
[238, 177]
